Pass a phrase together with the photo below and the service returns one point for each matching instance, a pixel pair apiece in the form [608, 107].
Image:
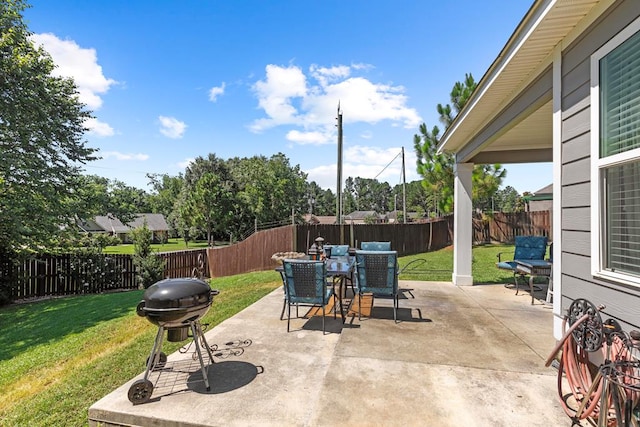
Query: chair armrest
[499, 255]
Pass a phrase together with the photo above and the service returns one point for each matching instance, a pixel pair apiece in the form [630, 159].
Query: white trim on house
[557, 194]
[598, 164]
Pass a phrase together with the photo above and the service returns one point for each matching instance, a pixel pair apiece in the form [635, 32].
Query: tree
[372, 195]
[149, 266]
[320, 201]
[437, 168]
[508, 200]
[208, 202]
[270, 187]
[41, 140]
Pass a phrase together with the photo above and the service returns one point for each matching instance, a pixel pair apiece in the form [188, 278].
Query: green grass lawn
[171, 245]
[59, 356]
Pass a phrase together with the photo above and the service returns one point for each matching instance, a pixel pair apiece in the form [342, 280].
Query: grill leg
[155, 351]
[194, 330]
[204, 341]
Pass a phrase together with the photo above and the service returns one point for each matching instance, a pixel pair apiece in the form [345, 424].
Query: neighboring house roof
[319, 219]
[361, 215]
[155, 222]
[395, 214]
[111, 224]
[545, 193]
[89, 226]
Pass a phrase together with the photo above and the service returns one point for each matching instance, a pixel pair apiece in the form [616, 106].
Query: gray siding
[622, 302]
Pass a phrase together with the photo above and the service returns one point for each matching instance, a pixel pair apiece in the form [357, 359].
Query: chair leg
[395, 308]
[359, 305]
[323, 316]
[284, 304]
[531, 287]
[289, 315]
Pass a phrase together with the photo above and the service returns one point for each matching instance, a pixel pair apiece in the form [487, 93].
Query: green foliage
[149, 267]
[508, 200]
[91, 270]
[164, 199]
[321, 201]
[437, 168]
[41, 140]
[208, 201]
[269, 188]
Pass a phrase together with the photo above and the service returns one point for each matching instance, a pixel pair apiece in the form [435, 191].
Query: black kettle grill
[176, 305]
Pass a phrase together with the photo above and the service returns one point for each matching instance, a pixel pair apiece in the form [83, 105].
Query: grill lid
[177, 293]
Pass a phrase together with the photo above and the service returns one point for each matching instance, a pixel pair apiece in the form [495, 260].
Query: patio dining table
[339, 269]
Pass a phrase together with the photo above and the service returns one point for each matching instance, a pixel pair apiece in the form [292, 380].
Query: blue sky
[169, 81]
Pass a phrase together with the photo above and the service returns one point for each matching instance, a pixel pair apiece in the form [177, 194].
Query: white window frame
[598, 164]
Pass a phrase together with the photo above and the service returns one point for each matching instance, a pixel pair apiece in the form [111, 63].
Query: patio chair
[337, 250]
[377, 273]
[375, 246]
[527, 248]
[340, 251]
[306, 285]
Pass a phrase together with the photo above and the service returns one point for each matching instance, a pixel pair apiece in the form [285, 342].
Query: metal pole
[404, 190]
[339, 183]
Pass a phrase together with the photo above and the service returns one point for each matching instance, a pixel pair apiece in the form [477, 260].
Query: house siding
[621, 301]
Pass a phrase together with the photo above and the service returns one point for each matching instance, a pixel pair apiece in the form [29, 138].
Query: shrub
[149, 267]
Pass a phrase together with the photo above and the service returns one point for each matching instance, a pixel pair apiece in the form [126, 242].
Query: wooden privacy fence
[70, 274]
[254, 253]
[503, 227]
[52, 275]
[188, 263]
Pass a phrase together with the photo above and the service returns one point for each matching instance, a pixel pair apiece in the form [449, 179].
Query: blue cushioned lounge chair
[527, 248]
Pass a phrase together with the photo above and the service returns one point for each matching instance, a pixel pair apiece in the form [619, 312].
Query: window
[615, 157]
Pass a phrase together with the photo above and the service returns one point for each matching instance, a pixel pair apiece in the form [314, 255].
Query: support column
[462, 224]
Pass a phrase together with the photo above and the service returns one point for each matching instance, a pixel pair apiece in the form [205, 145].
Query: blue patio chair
[338, 250]
[306, 284]
[377, 273]
[527, 248]
[375, 246]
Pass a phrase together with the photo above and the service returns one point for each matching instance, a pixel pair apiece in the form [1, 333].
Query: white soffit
[527, 53]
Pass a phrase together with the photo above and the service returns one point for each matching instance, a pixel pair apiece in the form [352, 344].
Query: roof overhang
[508, 118]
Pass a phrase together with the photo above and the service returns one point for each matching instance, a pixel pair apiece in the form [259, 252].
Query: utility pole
[404, 190]
[339, 183]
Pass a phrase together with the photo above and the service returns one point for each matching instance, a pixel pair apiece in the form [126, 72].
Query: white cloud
[185, 163]
[79, 63]
[171, 127]
[276, 93]
[98, 128]
[123, 156]
[289, 97]
[314, 137]
[216, 91]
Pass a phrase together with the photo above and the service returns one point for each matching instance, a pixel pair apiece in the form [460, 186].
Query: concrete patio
[459, 356]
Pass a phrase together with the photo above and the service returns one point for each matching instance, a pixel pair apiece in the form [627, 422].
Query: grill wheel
[140, 391]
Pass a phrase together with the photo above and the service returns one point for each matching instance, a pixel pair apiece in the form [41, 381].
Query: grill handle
[140, 309]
